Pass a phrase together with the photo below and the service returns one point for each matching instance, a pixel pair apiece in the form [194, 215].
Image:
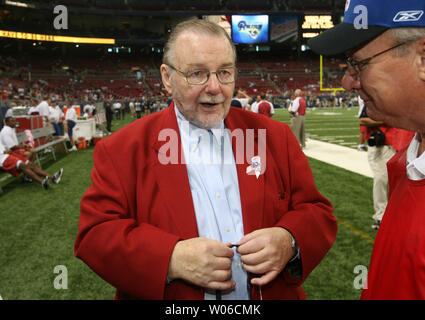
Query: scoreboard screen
[312, 25]
[250, 28]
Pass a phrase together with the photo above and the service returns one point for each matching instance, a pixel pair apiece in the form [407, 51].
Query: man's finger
[264, 279]
[249, 236]
[223, 250]
[251, 246]
[221, 275]
[222, 263]
[253, 258]
[258, 269]
[221, 285]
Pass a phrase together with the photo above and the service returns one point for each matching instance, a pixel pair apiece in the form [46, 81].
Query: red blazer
[137, 208]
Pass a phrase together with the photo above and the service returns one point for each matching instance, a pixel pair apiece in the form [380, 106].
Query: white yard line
[340, 156]
[330, 129]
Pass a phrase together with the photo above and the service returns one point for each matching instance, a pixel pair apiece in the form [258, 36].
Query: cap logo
[403, 16]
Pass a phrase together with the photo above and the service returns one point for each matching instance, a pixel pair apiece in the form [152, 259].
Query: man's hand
[204, 262]
[266, 252]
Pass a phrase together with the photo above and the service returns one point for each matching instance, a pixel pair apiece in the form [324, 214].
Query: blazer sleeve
[309, 219]
[132, 256]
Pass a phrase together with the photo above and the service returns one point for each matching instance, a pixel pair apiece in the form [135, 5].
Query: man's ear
[166, 78]
[421, 58]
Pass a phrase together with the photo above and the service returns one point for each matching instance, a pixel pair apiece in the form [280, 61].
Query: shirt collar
[413, 161]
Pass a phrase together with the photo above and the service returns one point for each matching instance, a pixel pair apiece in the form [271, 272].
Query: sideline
[343, 157]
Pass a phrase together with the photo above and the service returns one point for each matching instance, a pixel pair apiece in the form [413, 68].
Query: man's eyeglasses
[357, 66]
[201, 76]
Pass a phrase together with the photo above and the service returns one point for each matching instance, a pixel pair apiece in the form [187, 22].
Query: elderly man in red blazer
[158, 226]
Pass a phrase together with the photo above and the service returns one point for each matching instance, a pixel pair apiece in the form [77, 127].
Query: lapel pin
[255, 167]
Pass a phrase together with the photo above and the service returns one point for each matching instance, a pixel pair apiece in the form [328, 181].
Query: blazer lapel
[251, 189]
[173, 181]
[174, 185]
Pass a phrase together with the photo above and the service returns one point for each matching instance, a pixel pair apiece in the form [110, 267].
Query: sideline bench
[3, 176]
[40, 135]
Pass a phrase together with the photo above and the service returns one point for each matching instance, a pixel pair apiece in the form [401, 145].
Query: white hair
[402, 35]
[197, 26]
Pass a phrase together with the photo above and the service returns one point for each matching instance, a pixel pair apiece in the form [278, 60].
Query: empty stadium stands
[81, 76]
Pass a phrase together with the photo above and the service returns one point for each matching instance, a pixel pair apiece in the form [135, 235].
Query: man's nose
[213, 85]
[350, 81]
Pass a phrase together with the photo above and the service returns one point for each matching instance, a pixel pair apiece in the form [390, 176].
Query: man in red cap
[385, 44]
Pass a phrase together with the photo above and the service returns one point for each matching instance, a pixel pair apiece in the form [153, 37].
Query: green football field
[38, 227]
[333, 125]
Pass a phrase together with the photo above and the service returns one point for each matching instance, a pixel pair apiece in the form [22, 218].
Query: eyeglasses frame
[357, 66]
[186, 74]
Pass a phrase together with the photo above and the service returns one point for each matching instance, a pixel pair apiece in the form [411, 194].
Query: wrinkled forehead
[194, 47]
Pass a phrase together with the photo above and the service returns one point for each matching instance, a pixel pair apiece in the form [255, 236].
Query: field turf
[38, 227]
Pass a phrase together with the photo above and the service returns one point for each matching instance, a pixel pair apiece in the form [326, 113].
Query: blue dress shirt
[214, 185]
